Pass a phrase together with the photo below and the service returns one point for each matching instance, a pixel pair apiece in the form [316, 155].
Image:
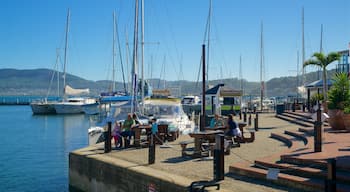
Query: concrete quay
[90, 169]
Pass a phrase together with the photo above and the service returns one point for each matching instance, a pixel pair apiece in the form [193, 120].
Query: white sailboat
[75, 104]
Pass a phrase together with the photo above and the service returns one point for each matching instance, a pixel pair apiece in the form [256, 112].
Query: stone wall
[103, 172]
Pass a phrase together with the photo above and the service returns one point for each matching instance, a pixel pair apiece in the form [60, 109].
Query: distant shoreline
[22, 99]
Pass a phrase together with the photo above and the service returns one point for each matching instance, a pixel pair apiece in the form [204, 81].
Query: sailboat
[74, 104]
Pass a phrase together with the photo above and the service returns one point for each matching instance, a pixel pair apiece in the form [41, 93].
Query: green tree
[322, 61]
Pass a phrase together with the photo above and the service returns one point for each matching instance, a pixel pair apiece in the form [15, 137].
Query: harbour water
[34, 148]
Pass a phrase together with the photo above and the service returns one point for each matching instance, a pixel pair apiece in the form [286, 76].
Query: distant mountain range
[37, 81]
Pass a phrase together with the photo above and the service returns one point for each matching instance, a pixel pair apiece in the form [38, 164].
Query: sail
[71, 91]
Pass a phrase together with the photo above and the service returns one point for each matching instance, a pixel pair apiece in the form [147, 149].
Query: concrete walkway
[169, 160]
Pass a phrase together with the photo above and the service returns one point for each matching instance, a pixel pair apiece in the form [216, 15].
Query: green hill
[36, 82]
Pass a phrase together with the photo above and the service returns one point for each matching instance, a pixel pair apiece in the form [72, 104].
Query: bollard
[219, 162]
[318, 132]
[250, 119]
[330, 182]
[107, 135]
[240, 115]
[256, 121]
[151, 151]
[245, 116]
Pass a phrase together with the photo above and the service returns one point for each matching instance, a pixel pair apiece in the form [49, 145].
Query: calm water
[34, 148]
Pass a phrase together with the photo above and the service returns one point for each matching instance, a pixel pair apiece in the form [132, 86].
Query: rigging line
[120, 55]
[199, 71]
[209, 27]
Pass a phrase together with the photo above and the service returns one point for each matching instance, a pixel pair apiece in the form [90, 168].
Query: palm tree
[322, 61]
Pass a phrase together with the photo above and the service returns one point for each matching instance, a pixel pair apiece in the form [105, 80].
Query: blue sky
[31, 30]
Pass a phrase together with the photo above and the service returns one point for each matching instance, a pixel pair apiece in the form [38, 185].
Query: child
[116, 134]
[154, 129]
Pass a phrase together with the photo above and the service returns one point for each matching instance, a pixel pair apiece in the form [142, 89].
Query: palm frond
[312, 62]
[333, 56]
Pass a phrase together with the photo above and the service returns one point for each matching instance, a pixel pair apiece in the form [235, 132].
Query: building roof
[214, 90]
[319, 83]
[224, 91]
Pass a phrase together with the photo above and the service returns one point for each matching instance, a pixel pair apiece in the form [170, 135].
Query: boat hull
[43, 108]
[68, 108]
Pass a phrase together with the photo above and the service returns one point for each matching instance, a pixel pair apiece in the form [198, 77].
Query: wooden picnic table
[203, 136]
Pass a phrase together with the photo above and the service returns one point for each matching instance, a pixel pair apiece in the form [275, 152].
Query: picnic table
[203, 136]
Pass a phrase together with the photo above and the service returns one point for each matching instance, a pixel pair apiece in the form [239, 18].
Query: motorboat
[169, 111]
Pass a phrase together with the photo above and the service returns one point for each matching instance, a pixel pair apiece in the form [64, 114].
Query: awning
[319, 83]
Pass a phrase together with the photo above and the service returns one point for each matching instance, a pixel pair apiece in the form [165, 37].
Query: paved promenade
[169, 160]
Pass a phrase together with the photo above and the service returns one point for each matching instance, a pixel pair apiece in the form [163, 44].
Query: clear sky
[31, 30]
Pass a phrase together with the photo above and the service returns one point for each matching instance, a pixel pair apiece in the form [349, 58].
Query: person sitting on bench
[233, 129]
[216, 121]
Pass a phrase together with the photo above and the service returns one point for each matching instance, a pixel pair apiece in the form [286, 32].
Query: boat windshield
[162, 110]
[187, 101]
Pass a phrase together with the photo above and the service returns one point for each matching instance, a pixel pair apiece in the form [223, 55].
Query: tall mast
[142, 52]
[262, 86]
[303, 47]
[297, 75]
[134, 67]
[209, 26]
[202, 119]
[240, 72]
[113, 55]
[321, 51]
[58, 72]
[127, 61]
[65, 56]
[120, 55]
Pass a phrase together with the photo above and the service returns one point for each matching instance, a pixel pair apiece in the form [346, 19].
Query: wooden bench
[245, 139]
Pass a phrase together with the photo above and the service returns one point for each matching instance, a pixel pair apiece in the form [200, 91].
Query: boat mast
[202, 119]
[240, 73]
[58, 72]
[127, 62]
[297, 76]
[209, 23]
[120, 54]
[321, 51]
[262, 87]
[134, 67]
[142, 53]
[113, 57]
[65, 57]
[303, 46]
